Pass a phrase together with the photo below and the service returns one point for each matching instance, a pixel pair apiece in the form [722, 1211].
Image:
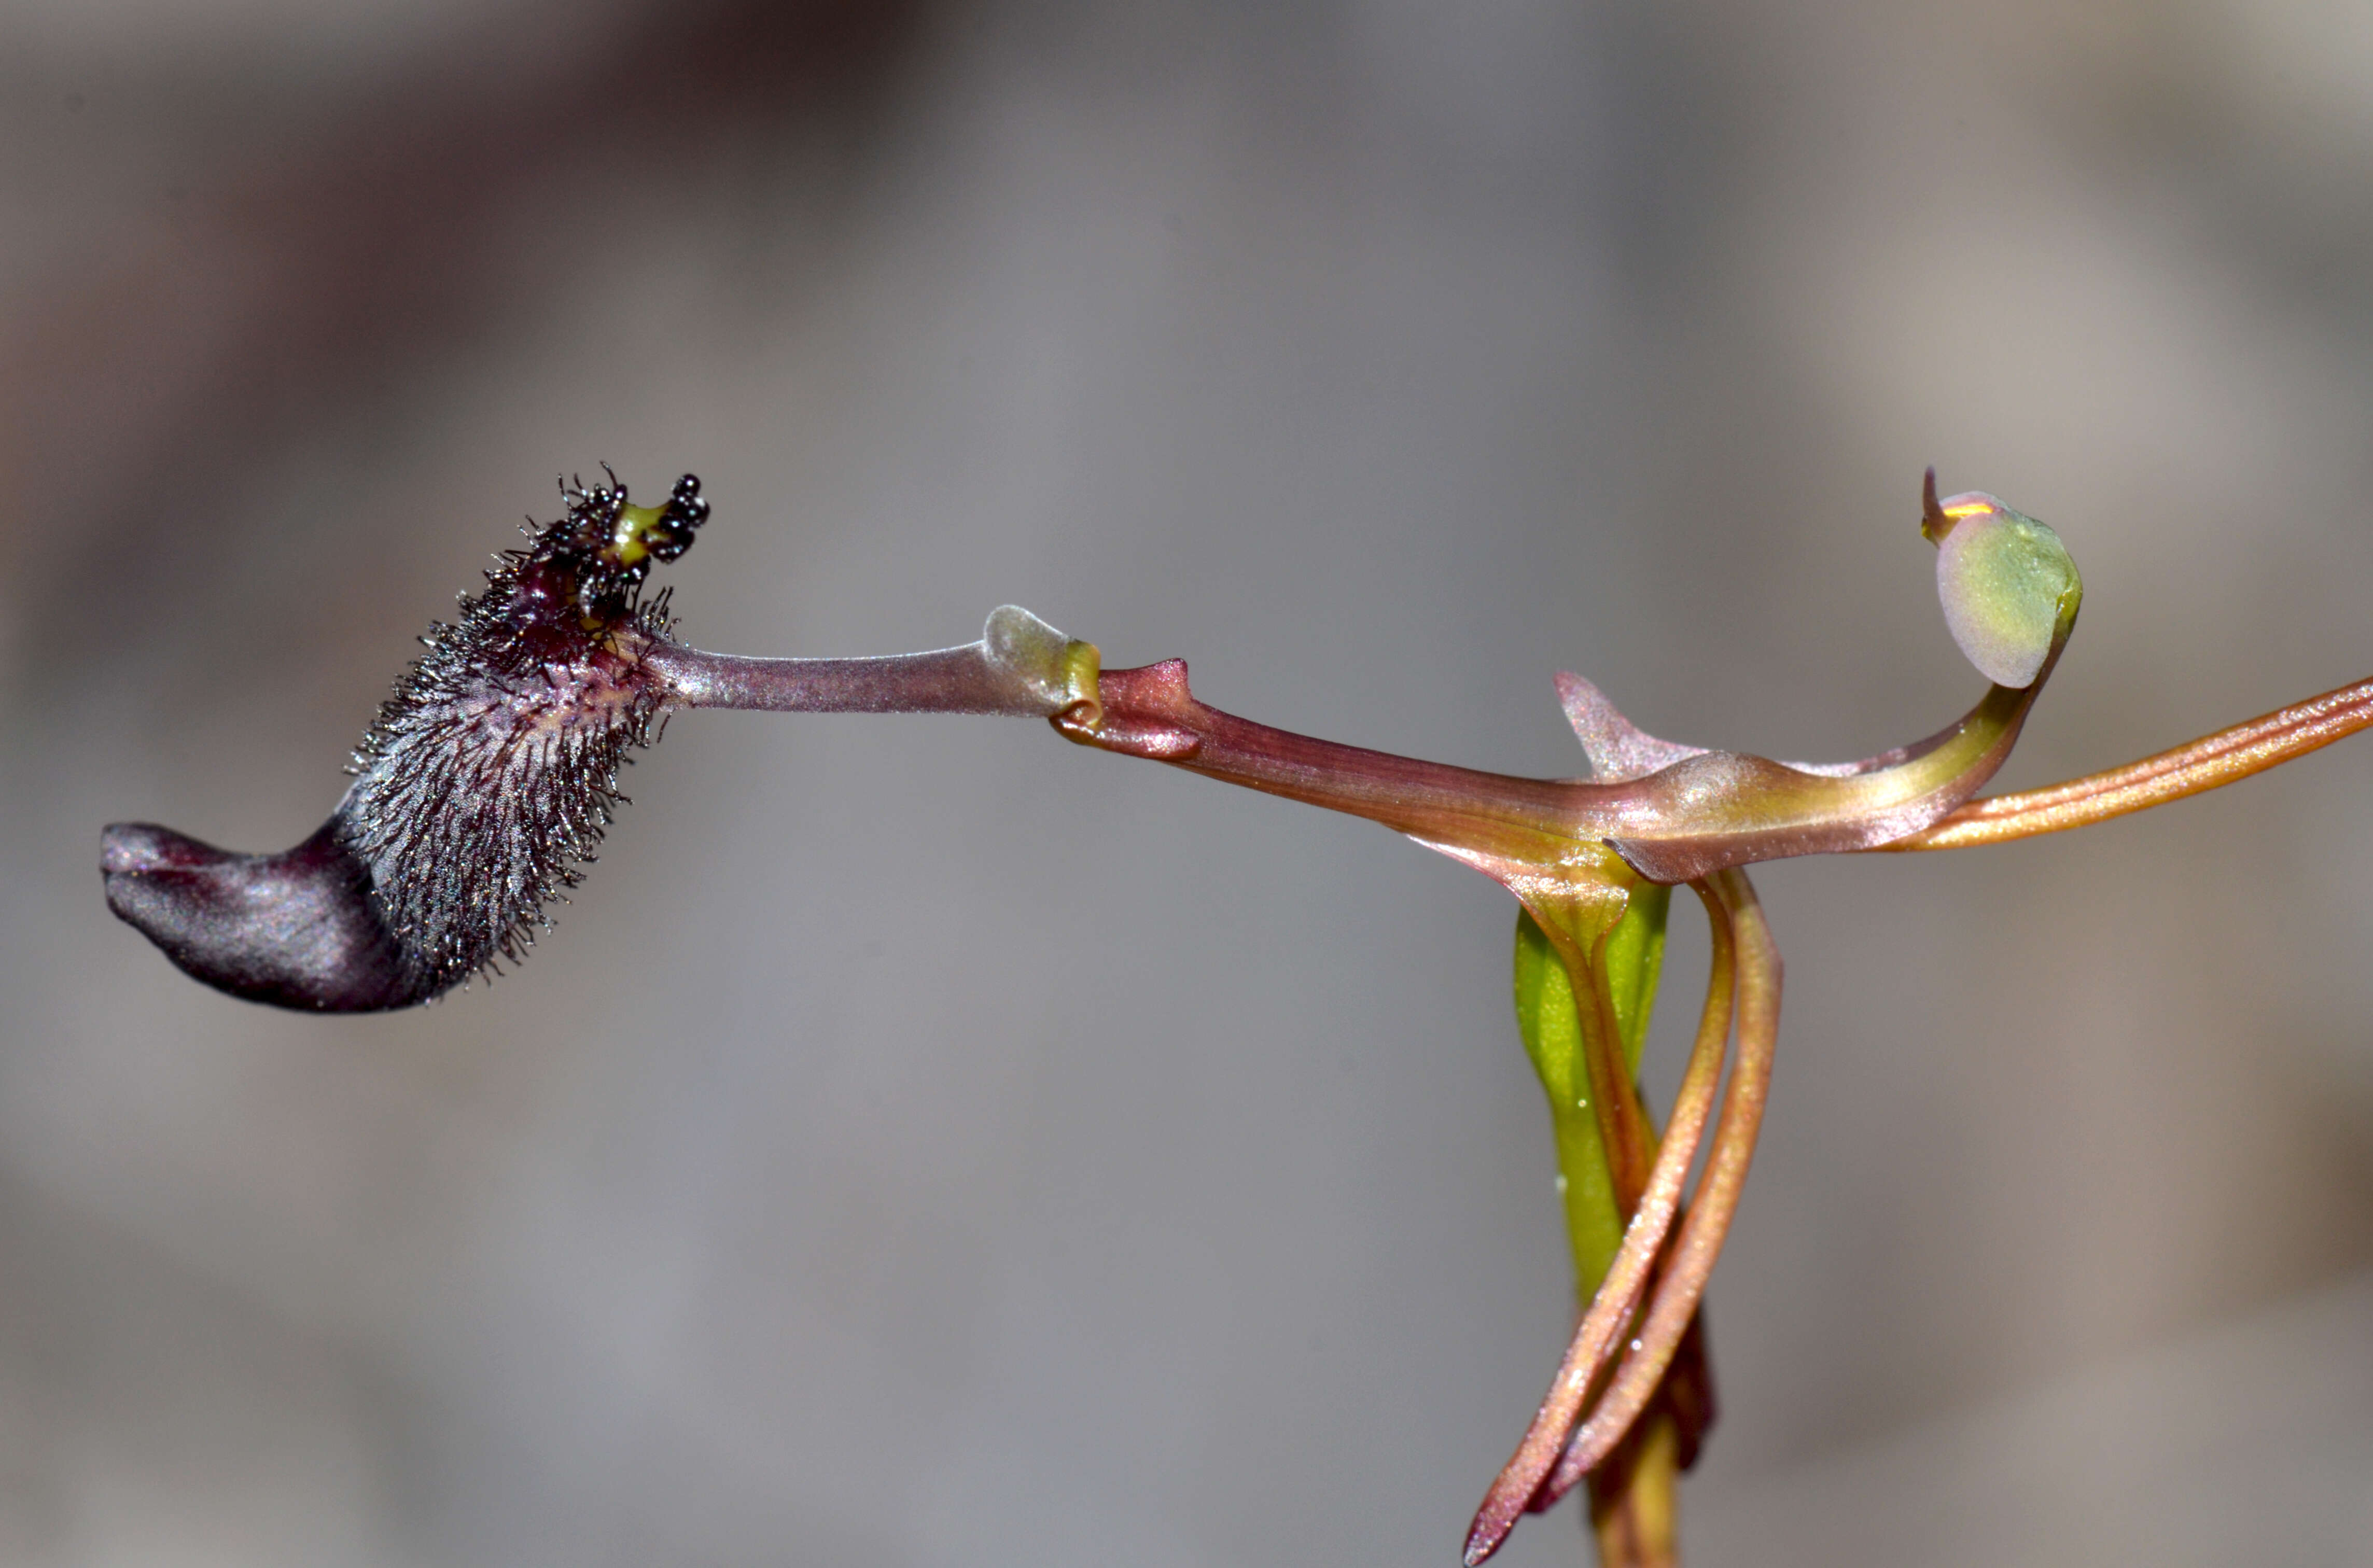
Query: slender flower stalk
[491, 772]
[2209, 763]
[1021, 667]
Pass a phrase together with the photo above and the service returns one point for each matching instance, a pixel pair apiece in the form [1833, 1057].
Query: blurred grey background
[924, 1143]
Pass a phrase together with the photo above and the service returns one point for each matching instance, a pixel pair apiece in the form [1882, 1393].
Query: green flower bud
[2002, 579]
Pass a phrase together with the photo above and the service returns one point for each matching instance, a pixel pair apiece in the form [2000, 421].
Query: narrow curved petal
[1716, 1200]
[1612, 1308]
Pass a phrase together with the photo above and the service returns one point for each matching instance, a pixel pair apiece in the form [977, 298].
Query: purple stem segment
[1021, 667]
[1150, 712]
[1708, 812]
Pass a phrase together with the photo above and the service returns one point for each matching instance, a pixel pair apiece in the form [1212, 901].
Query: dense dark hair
[480, 790]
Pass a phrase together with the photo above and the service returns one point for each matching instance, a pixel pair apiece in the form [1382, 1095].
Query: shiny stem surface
[1021, 667]
[2205, 763]
[1706, 812]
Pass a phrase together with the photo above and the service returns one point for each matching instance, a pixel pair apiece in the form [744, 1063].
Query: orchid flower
[491, 774]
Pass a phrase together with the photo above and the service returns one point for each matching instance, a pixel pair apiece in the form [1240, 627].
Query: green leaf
[1627, 960]
[1633, 960]
[1551, 1023]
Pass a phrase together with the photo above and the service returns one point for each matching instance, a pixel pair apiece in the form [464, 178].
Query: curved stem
[1699, 1242]
[1705, 813]
[1618, 1294]
[1150, 712]
[2205, 763]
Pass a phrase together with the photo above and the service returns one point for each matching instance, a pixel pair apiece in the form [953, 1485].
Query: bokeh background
[923, 1143]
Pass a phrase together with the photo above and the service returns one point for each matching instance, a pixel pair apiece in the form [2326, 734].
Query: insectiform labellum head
[480, 790]
[604, 548]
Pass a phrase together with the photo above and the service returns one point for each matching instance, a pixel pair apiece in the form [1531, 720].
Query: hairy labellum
[480, 790]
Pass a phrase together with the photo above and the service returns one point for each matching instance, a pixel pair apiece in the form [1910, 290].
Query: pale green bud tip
[2002, 578]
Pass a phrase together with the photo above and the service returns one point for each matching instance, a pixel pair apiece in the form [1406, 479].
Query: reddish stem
[1150, 712]
[2205, 764]
[1708, 812]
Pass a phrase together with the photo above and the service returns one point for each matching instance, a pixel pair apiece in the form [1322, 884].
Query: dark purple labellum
[480, 791]
[299, 928]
